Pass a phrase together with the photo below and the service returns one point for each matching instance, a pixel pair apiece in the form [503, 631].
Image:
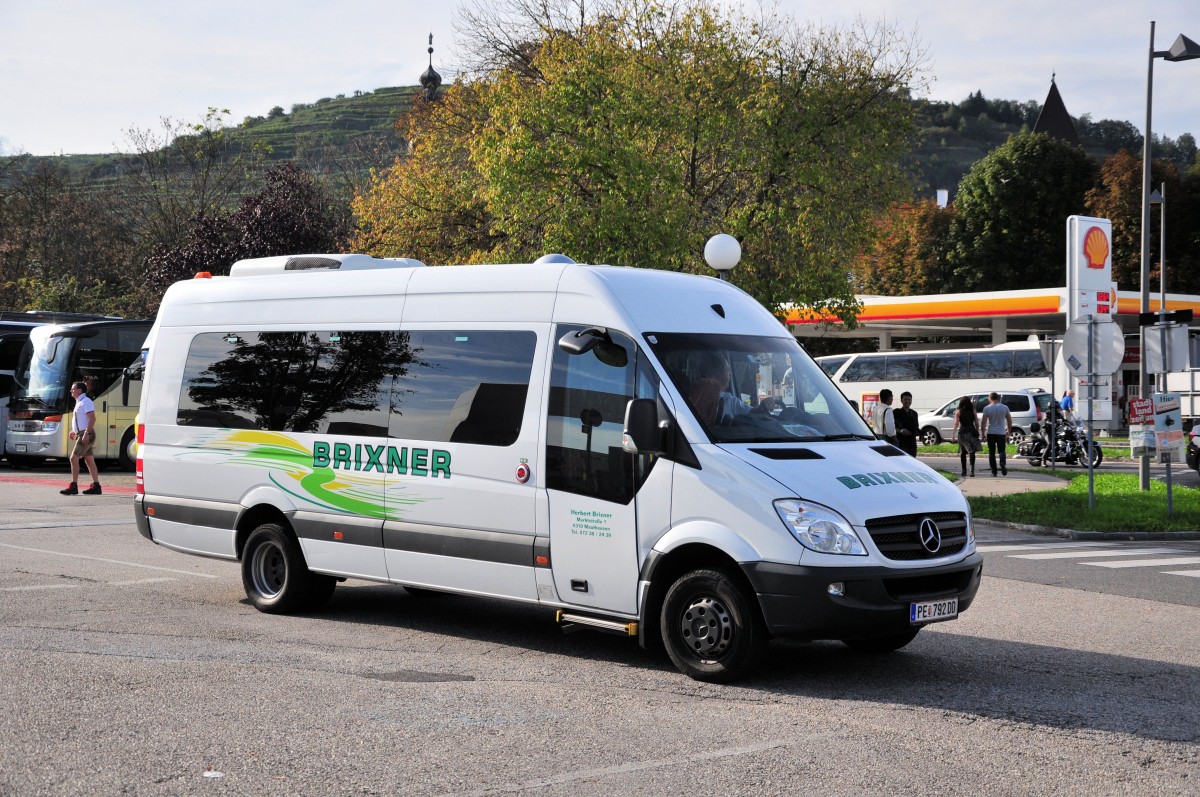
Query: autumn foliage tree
[908, 253]
[1117, 195]
[630, 132]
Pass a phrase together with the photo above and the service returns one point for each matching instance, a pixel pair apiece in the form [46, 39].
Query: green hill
[348, 135]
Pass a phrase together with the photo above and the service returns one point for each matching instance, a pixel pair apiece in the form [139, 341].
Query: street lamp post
[1184, 49]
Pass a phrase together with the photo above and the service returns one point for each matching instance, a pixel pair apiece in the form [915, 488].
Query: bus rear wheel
[274, 574]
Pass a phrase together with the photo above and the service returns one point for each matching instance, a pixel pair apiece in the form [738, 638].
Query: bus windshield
[751, 389]
[43, 372]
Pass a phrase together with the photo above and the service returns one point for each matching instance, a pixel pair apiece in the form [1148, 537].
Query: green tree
[1011, 213]
[629, 132]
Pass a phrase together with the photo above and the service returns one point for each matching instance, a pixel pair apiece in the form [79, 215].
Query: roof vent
[309, 262]
[553, 257]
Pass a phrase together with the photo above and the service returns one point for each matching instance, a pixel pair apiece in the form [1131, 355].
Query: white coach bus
[935, 377]
[640, 451]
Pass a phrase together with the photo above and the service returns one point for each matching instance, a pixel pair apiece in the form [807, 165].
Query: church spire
[430, 79]
[1054, 120]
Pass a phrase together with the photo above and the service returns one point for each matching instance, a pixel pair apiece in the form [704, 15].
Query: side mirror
[597, 338]
[642, 432]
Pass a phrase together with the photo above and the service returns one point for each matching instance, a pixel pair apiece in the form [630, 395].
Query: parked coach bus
[935, 377]
[98, 353]
[14, 331]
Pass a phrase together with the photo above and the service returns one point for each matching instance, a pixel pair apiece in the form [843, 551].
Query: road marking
[110, 561]
[58, 524]
[591, 776]
[1042, 546]
[140, 581]
[1189, 560]
[40, 587]
[1192, 573]
[1095, 554]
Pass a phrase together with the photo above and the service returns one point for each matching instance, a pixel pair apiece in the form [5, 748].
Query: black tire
[930, 436]
[127, 453]
[883, 644]
[711, 627]
[1097, 455]
[274, 574]
[1035, 461]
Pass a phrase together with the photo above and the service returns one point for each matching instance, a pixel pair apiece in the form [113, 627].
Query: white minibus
[639, 451]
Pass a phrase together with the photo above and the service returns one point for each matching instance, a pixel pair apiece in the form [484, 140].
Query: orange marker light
[337, 535]
[203, 275]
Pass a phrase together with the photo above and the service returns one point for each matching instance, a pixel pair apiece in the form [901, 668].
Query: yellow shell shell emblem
[1095, 247]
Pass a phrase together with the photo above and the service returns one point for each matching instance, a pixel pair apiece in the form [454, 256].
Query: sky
[77, 75]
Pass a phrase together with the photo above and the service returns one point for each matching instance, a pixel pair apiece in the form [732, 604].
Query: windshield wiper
[848, 436]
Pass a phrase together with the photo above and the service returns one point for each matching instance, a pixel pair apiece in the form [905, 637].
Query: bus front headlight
[819, 528]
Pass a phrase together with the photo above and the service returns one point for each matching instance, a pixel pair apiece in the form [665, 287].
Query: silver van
[1026, 407]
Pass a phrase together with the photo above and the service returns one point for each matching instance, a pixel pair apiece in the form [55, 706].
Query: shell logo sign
[1095, 248]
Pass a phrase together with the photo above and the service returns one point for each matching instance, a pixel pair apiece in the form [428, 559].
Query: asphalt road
[131, 669]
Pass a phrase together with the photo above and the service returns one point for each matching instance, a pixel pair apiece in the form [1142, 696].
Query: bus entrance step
[574, 622]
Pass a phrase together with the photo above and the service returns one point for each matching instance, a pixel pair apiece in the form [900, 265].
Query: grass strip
[1120, 506]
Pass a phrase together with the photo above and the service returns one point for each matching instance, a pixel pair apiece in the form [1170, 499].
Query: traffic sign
[1107, 345]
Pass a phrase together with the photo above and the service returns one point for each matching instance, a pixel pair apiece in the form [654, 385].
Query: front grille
[899, 537]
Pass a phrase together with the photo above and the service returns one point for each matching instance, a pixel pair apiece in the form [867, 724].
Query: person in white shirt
[884, 421]
[83, 432]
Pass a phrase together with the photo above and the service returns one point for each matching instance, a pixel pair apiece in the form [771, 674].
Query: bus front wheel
[711, 627]
[127, 453]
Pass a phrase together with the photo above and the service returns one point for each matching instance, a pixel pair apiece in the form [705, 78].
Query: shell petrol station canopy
[993, 316]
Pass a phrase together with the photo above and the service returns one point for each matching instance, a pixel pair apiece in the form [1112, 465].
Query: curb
[1072, 534]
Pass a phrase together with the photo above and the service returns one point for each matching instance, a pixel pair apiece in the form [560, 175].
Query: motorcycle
[1070, 445]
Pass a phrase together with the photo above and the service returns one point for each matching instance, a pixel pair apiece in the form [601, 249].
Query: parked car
[1026, 406]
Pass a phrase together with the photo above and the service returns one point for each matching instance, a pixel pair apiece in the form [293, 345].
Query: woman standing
[966, 429]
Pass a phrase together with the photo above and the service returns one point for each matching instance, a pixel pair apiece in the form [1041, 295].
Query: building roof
[1054, 120]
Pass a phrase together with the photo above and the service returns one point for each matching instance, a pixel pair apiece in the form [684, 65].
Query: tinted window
[1016, 403]
[865, 368]
[905, 367]
[331, 382]
[947, 366]
[586, 418]
[830, 364]
[439, 386]
[1029, 363]
[465, 386]
[991, 365]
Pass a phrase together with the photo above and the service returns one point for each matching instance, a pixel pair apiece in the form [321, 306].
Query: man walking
[83, 432]
[998, 422]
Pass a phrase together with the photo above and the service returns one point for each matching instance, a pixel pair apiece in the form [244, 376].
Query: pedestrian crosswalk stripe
[1188, 560]
[1192, 573]
[1042, 546]
[1096, 554]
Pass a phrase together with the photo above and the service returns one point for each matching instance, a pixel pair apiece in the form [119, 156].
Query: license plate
[933, 611]
[20, 448]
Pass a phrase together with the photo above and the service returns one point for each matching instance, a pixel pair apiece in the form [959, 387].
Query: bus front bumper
[799, 602]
